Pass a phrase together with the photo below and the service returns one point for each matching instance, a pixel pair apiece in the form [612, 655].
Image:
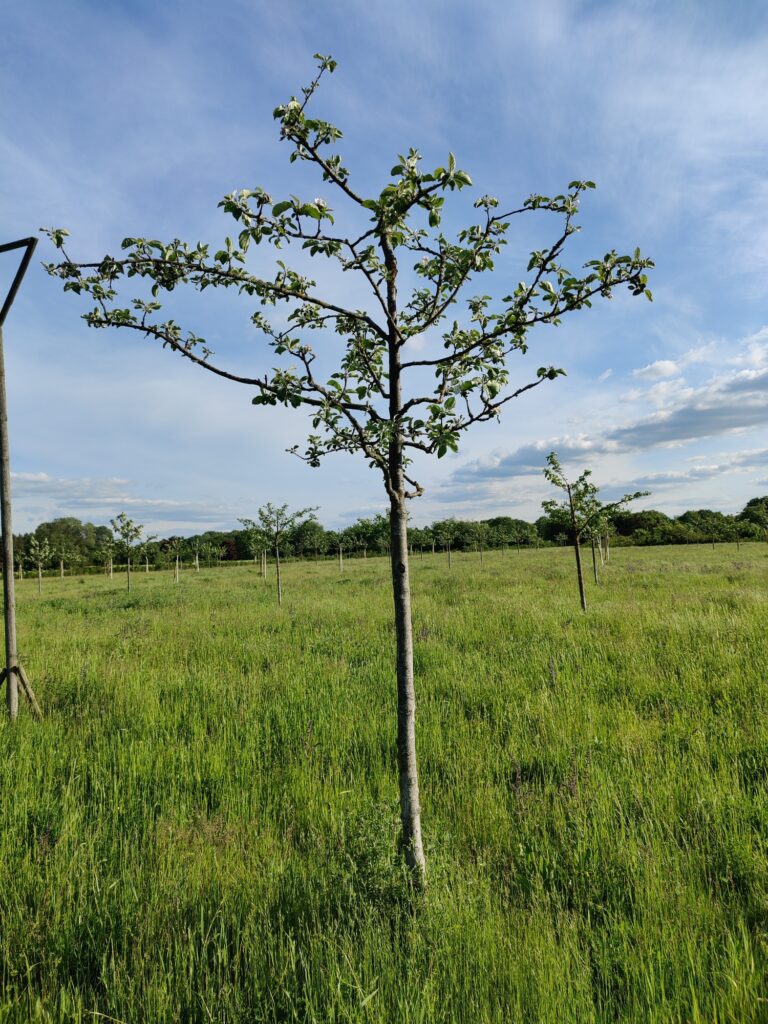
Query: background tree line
[72, 545]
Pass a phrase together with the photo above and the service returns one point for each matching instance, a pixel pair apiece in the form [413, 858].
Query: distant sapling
[275, 522]
[128, 536]
[582, 512]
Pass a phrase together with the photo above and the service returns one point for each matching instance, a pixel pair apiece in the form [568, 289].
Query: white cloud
[661, 368]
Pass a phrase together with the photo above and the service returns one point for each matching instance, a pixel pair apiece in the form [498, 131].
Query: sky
[135, 118]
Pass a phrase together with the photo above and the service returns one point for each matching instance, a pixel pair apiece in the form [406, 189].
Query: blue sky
[136, 118]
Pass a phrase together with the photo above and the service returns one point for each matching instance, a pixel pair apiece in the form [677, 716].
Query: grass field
[204, 826]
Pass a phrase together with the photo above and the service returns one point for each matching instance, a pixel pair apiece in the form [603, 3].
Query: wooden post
[12, 672]
[279, 579]
[341, 560]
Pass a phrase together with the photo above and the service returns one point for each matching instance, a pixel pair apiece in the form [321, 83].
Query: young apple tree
[389, 398]
[128, 537]
[39, 554]
[275, 523]
[256, 542]
[582, 514]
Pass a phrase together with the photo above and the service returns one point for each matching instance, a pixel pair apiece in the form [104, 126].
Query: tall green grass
[204, 826]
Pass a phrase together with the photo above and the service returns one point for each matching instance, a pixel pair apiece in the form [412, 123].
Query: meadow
[204, 825]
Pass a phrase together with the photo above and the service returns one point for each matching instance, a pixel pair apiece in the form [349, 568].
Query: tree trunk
[341, 560]
[39, 579]
[410, 807]
[600, 551]
[176, 570]
[449, 554]
[579, 573]
[197, 561]
[128, 568]
[481, 554]
[577, 551]
[607, 547]
[594, 558]
[61, 568]
[111, 567]
[279, 579]
[146, 564]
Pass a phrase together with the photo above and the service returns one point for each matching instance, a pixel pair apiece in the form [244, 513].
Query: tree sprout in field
[213, 552]
[275, 522]
[445, 533]
[64, 553]
[39, 554]
[143, 549]
[257, 542]
[106, 551]
[173, 549]
[128, 536]
[581, 512]
[389, 399]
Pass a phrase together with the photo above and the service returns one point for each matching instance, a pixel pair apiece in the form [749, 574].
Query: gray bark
[410, 805]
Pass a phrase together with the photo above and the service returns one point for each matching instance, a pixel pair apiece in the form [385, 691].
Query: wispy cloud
[44, 497]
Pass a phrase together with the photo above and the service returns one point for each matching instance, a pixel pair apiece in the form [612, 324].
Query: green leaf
[279, 208]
